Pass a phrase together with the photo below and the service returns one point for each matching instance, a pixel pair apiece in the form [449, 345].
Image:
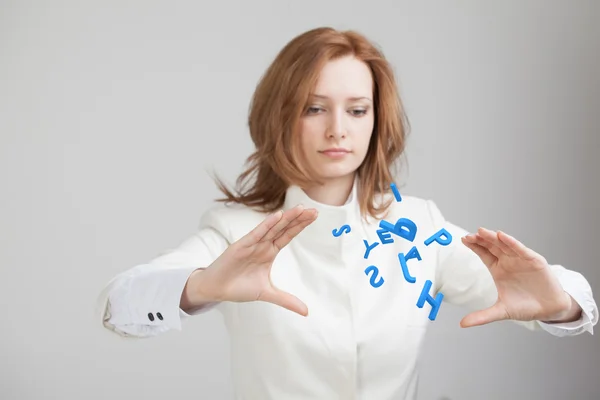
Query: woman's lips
[335, 153]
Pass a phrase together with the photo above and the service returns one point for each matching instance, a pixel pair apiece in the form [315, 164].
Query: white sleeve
[578, 287]
[466, 281]
[144, 300]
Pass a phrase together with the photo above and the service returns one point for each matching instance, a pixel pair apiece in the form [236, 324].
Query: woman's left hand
[527, 288]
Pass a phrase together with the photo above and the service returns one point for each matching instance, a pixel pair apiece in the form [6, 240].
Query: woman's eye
[313, 110]
[358, 112]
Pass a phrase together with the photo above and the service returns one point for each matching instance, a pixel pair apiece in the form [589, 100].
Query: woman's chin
[335, 174]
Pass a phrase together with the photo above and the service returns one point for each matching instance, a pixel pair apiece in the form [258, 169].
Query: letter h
[426, 297]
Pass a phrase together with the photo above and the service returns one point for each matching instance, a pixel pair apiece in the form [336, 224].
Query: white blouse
[371, 293]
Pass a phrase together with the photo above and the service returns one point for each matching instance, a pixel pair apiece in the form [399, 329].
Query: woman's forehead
[343, 79]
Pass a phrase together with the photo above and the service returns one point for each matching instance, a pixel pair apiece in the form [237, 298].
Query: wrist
[196, 292]
[572, 312]
[204, 285]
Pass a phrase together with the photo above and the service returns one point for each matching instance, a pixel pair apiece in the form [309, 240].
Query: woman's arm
[147, 300]
[203, 271]
[196, 296]
[465, 280]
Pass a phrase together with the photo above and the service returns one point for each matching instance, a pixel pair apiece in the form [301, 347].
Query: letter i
[396, 192]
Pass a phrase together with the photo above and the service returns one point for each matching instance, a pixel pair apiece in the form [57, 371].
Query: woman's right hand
[242, 272]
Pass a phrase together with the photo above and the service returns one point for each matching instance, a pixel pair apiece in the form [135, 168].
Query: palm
[527, 289]
[244, 269]
[252, 279]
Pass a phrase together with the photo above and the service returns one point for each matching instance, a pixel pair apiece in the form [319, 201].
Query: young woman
[326, 275]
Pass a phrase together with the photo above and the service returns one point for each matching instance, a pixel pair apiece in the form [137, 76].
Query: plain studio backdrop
[112, 115]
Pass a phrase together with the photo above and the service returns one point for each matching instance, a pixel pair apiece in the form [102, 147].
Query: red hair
[280, 100]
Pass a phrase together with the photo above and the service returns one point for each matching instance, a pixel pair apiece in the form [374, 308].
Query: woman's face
[337, 125]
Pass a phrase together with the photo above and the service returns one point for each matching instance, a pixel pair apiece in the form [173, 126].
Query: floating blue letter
[343, 229]
[369, 247]
[374, 276]
[413, 253]
[436, 237]
[396, 192]
[385, 236]
[409, 233]
[426, 297]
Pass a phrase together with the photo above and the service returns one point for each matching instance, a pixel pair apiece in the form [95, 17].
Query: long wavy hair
[280, 100]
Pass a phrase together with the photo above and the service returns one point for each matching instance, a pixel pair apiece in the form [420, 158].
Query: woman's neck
[333, 192]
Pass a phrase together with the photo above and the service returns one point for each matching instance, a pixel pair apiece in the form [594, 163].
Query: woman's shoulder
[227, 218]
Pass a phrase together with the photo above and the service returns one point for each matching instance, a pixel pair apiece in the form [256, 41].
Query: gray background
[111, 114]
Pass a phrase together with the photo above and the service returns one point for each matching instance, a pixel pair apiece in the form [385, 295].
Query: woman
[327, 277]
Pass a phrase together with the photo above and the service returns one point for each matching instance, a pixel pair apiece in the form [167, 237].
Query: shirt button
[159, 315]
[150, 317]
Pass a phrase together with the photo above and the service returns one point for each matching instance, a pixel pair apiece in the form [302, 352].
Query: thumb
[286, 300]
[497, 312]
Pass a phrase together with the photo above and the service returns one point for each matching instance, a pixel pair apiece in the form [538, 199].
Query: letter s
[340, 231]
[375, 270]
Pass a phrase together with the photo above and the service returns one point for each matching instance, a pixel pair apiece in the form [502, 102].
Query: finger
[288, 217]
[492, 237]
[259, 232]
[286, 300]
[477, 239]
[497, 312]
[308, 213]
[292, 231]
[486, 256]
[519, 248]
[301, 218]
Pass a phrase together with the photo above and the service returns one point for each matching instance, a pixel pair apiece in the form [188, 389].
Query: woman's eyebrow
[355, 98]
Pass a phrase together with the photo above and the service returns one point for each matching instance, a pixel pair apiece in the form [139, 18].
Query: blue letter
[374, 276]
[409, 233]
[436, 237]
[369, 247]
[413, 253]
[343, 229]
[396, 192]
[384, 236]
[426, 297]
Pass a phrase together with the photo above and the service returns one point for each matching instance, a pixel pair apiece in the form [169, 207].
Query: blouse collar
[329, 219]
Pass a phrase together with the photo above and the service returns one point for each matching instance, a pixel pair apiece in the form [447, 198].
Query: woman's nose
[337, 129]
